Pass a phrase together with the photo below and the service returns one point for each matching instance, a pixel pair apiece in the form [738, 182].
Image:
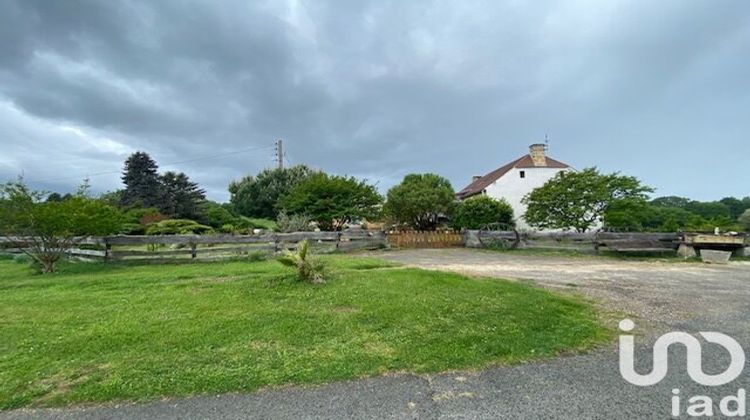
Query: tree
[744, 220]
[332, 201]
[420, 201]
[47, 230]
[260, 196]
[143, 185]
[735, 205]
[708, 210]
[671, 201]
[480, 211]
[578, 200]
[182, 197]
[54, 197]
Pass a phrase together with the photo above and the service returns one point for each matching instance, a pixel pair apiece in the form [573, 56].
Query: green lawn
[94, 333]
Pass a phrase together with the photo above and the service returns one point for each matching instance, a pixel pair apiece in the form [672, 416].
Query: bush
[293, 223]
[134, 215]
[178, 227]
[308, 268]
[478, 212]
[133, 229]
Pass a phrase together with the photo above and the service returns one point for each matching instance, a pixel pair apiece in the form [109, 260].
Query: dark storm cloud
[375, 89]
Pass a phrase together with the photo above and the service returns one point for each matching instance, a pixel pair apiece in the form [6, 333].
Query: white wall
[513, 188]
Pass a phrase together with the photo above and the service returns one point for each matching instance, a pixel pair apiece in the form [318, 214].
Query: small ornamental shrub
[308, 268]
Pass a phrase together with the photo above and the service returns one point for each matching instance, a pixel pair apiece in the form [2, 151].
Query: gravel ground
[660, 296]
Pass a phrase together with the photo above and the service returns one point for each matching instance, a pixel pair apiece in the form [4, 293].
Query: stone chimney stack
[475, 177]
[538, 153]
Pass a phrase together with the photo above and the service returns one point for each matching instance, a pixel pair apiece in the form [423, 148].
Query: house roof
[525, 161]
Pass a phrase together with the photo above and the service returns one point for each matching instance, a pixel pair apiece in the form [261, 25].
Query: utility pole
[280, 153]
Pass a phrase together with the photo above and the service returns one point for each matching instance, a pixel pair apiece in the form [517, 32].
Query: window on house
[523, 174]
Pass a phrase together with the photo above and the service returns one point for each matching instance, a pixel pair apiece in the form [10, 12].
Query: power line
[165, 164]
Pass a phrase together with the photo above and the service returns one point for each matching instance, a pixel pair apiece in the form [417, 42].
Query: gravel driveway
[662, 296]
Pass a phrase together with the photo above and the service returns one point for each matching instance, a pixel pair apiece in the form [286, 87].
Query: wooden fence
[584, 242]
[210, 247]
[213, 247]
[426, 239]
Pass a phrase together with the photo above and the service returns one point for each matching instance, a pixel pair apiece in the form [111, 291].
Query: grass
[95, 333]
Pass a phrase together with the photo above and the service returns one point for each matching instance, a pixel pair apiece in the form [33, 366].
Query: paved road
[687, 297]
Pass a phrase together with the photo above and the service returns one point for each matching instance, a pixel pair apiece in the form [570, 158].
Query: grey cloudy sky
[376, 89]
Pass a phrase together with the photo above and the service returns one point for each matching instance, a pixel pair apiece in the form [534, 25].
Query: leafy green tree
[480, 211]
[332, 201]
[182, 197]
[629, 216]
[735, 205]
[46, 231]
[420, 201]
[55, 197]
[143, 186]
[671, 201]
[744, 220]
[579, 200]
[709, 209]
[260, 196]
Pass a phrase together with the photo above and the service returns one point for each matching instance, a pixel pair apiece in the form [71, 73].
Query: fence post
[193, 250]
[107, 250]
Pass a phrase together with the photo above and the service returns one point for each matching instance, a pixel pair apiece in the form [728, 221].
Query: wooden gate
[426, 239]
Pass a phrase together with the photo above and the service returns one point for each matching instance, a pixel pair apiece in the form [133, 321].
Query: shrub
[135, 215]
[150, 219]
[178, 227]
[309, 269]
[478, 212]
[133, 229]
[293, 223]
[215, 215]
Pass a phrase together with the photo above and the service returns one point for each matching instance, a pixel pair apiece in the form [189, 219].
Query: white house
[516, 179]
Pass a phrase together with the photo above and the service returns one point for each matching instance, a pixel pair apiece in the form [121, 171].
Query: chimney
[538, 153]
[475, 178]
